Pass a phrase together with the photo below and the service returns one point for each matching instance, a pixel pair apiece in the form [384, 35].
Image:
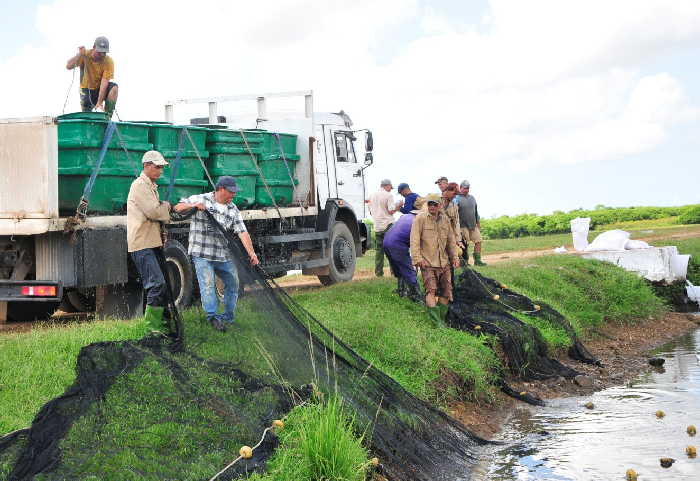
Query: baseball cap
[227, 182]
[440, 179]
[154, 157]
[464, 184]
[385, 182]
[402, 186]
[436, 198]
[102, 44]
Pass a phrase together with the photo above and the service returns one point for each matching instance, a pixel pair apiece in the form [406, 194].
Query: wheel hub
[342, 253]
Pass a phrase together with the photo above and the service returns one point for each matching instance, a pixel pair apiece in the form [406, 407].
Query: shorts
[471, 235]
[88, 97]
[438, 280]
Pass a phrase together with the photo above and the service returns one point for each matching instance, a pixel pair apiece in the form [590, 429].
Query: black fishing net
[483, 305]
[164, 409]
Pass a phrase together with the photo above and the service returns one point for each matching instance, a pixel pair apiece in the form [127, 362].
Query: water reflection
[565, 441]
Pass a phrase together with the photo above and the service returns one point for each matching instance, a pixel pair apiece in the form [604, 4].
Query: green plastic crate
[166, 137]
[87, 157]
[245, 197]
[276, 170]
[109, 192]
[190, 166]
[234, 136]
[182, 188]
[233, 148]
[90, 133]
[282, 193]
[233, 164]
[84, 116]
[272, 147]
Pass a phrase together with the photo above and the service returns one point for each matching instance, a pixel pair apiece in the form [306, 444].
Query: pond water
[566, 441]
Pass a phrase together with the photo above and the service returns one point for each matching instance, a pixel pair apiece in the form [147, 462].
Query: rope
[257, 167]
[241, 457]
[135, 164]
[176, 164]
[65, 102]
[196, 151]
[289, 171]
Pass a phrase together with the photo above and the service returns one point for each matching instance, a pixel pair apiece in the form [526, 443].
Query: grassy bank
[37, 366]
[588, 293]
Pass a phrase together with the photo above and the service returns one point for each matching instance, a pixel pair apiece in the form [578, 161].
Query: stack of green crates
[190, 178]
[229, 155]
[80, 137]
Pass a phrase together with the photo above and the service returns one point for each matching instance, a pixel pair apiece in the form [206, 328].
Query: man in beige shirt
[144, 214]
[434, 251]
[382, 207]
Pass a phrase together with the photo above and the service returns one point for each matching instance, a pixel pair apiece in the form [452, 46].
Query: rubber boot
[465, 258]
[110, 105]
[399, 287]
[154, 320]
[413, 293]
[477, 259]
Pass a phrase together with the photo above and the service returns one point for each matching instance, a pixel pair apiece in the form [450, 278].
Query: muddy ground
[623, 350]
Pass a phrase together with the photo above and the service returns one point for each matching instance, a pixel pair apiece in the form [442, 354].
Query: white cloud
[533, 84]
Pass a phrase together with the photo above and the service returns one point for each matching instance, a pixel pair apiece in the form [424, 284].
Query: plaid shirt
[205, 240]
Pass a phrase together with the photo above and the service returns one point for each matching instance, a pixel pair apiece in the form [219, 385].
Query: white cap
[154, 157]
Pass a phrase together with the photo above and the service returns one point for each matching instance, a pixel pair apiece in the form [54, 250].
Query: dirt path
[309, 282]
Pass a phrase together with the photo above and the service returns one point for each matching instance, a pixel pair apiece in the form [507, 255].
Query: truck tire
[30, 311]
[179, 271]
[79, 300]
[341, 264]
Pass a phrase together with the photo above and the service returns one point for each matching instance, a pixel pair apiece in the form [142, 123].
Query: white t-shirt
[380, 204]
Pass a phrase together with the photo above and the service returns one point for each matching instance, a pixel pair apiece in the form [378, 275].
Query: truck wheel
[342, 256]
[79, 300]
[179, 271]
[30, 311]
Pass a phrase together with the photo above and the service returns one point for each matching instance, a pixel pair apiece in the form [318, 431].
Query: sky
[542, 105]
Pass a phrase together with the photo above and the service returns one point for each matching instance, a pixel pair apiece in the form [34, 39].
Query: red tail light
[39, 291]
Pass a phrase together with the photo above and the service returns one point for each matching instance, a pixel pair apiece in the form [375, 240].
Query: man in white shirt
[382, 207]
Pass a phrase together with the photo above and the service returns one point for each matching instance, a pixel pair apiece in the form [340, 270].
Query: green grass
[588, 293]
[319, 442]
[37, 366]
[396, 336]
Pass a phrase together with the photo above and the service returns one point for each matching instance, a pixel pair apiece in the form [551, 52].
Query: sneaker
[217, 324]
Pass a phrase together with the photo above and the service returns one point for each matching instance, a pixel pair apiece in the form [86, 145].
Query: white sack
[636, 244]
[612, 240]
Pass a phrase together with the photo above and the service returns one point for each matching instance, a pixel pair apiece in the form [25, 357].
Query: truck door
[348, 172]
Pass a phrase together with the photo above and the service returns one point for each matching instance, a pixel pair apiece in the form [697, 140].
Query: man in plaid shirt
[208, 249]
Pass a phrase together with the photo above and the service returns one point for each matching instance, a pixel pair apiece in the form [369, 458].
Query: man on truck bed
[96, 73]
[144, 213]
[210, 254]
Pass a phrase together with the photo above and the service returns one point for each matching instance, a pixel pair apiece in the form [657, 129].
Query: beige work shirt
[381, 204]
[144, 212]
[432, 240]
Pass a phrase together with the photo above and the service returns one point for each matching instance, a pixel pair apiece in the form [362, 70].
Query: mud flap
[123, 301]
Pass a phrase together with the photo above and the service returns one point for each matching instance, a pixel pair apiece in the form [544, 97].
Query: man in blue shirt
[409, 198]
[397, 242]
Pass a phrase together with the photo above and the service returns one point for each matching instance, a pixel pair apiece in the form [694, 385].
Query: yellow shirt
[144, 213]
[94, 72]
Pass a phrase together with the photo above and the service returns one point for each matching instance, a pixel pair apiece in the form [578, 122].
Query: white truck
[41, 266]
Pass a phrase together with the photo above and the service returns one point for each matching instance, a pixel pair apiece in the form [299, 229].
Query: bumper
[18, 291]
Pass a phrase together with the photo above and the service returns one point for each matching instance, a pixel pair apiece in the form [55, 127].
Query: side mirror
[368, 159]
[369, 142]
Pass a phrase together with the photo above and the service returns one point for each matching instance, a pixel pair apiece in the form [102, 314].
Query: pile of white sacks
[657, 264]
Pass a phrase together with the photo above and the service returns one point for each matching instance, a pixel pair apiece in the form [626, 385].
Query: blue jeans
[207, 271]
[151, 276]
